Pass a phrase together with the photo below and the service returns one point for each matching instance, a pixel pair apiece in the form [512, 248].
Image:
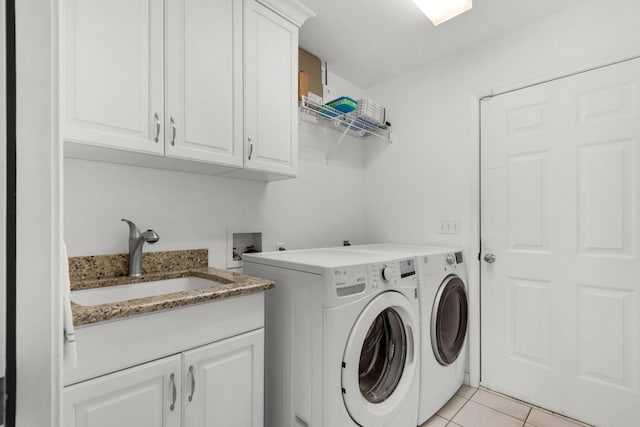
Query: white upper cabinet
[207, 86]
[113, 73]
[204, 80]
[271, 70]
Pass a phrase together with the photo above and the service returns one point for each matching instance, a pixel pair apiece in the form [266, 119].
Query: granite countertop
[110, 270]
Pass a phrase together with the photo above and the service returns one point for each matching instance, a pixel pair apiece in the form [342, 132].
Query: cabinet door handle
[193, 383]
[173, 131]
[172, 378]
[250, 147]
[157, 138]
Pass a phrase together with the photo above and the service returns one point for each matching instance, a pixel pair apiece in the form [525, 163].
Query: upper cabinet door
[271, 112]
[112, 73]
[204, 80]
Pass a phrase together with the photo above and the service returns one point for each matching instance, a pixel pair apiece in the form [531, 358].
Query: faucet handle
[134, 231]
[150, 236]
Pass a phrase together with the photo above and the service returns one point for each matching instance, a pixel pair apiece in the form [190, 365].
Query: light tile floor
[473, 407]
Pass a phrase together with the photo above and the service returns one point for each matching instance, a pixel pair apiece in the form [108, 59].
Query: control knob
[451, 259]
[386, 273]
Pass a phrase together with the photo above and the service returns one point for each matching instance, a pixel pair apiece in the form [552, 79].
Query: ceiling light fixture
[439, 11]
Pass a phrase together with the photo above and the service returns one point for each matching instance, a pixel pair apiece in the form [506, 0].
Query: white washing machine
[442, 290]
[342, 343]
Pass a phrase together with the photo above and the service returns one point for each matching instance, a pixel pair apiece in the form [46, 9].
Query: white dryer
[341, 338]
[442, 291]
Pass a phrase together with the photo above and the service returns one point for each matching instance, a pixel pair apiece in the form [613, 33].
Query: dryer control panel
[436, 264]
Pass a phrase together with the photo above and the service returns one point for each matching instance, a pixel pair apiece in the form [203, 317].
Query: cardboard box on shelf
[303, 84]
[312, 67]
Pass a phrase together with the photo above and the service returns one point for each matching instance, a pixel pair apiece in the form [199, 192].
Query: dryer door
[449, 320]
[379, 363]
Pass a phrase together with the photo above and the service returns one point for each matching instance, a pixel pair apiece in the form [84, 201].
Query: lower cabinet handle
[157, 138]
[193, 383]
[173, 130]
[172, 378]
[250, 147]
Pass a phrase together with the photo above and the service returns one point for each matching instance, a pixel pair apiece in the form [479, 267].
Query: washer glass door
[383, 357]
[379, 372]
[449, 320]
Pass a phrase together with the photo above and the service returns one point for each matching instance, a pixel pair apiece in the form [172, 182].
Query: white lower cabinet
[143, 396]
[219, 384]
[223, 383]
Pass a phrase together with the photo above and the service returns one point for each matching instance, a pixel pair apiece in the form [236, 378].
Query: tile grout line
[504, 413]
[528, 415]
[451, 422]
[466, 400]
[532, 407]
[506, 396]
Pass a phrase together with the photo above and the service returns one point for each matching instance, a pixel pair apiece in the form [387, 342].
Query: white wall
[323, 206]
[430, 172]
[425, 176]
[39, 217]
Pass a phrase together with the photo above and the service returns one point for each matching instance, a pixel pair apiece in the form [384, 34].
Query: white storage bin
[371, 112]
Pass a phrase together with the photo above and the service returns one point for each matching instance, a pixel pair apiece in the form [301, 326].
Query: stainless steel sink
[111, 294]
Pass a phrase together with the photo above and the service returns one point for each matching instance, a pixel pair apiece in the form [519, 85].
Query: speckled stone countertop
[111, 270]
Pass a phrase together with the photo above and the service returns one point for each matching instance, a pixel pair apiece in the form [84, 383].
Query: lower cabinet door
[223, 383]
[144, 396]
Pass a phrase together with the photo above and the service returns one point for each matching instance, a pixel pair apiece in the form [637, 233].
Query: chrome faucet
[136, 240]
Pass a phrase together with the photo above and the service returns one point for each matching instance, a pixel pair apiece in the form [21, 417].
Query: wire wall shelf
[345, 123]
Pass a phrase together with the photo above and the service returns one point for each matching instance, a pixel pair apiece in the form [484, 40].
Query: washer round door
[449, 320]
[379, 363]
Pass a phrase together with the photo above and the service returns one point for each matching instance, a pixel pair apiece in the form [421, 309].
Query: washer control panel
[387, 274]
[407, 268]
[392, 272]
[349, 280]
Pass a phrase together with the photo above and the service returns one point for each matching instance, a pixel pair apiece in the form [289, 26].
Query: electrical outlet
[280, 247]
[329, 93]
[450, 226]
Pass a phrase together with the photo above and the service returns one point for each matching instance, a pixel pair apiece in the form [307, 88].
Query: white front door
[560, 204]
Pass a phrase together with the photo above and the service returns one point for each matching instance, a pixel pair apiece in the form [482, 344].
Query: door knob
[490, 258]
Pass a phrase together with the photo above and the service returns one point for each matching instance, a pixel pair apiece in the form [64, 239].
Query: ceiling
[370, 41]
